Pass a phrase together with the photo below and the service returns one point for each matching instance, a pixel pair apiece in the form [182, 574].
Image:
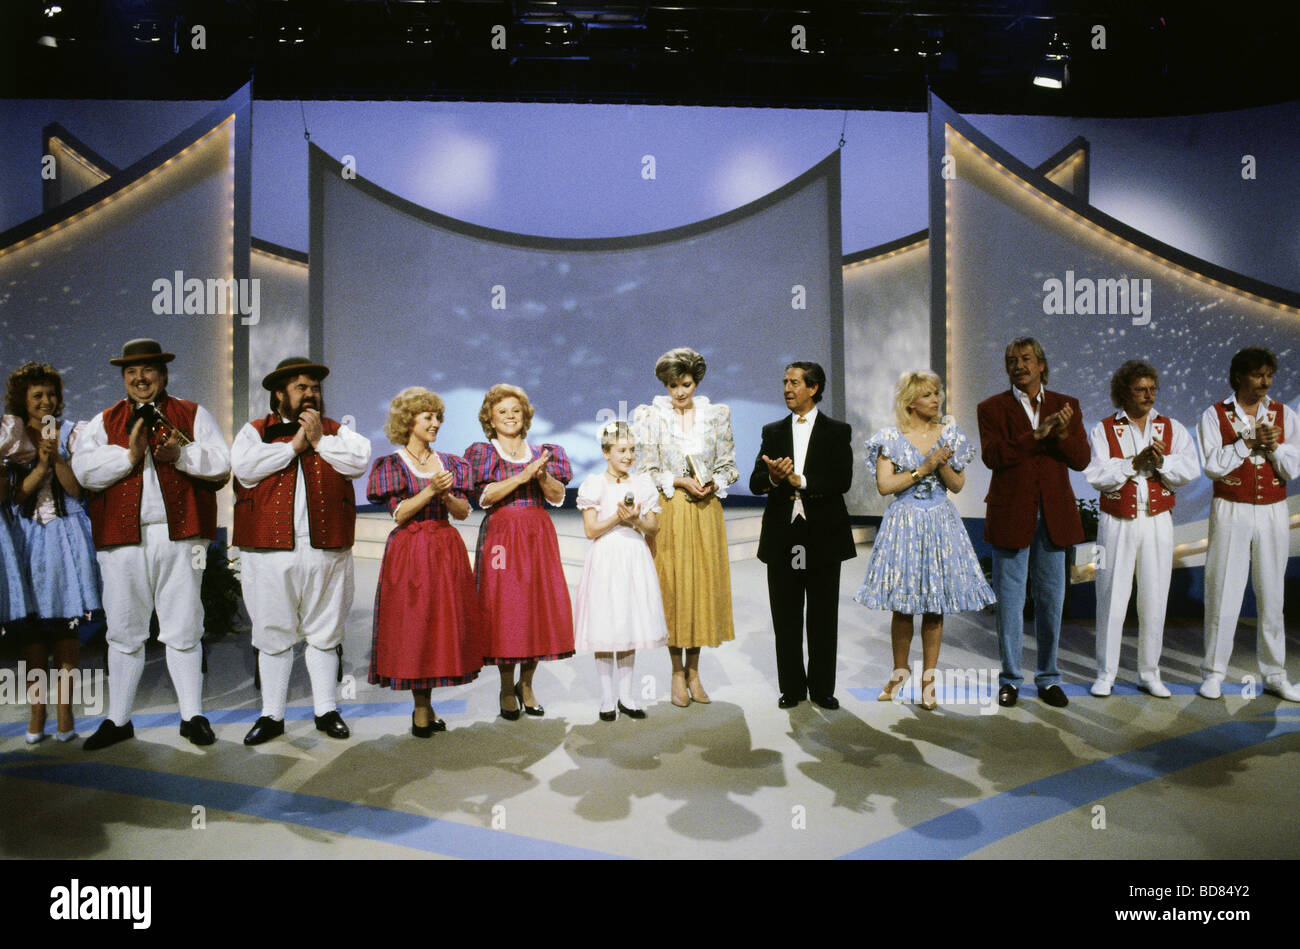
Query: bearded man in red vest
[1139, 459]
[1251, 449]
[295, 519]
[154, 463]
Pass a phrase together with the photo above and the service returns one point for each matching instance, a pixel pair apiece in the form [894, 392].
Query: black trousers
[793, 586]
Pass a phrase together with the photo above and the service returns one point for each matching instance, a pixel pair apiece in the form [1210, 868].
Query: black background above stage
[1170, 57]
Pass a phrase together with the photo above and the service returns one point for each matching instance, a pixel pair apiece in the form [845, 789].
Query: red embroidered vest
[191, 503]
[1250, 483]
[264, 513]
[1123, 503]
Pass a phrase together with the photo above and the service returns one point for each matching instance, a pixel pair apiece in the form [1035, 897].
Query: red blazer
[1028, 472]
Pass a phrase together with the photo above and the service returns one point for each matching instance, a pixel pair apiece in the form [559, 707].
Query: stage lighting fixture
[1054, 71]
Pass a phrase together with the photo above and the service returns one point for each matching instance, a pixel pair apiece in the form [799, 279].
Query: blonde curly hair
[910, 386]
[406, 405]
[498, 393]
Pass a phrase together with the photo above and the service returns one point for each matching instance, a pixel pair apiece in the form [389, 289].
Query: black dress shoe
[824, 701]
[788, 701]
[108, 734]
[536, 710]
[332, 724]
[510, 715]
[608, 716]
[631, 712]
[198, 730]
[264, 729]
[1054, 696]
[1007, 696]
[426, 731]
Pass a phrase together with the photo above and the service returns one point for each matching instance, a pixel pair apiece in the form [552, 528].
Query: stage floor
[1124, 777]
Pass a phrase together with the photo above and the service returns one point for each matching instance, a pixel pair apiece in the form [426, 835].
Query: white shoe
[1277, 685]
[34, 737]
[1101, 688]
[1212, 687]
[65, 736]
[1153, 686]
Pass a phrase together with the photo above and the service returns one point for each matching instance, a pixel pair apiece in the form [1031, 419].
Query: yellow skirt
[694, 571]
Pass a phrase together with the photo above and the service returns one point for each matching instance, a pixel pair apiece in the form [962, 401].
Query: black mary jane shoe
[535, 710]
[631, 712]
[426, 731]
[608, 716]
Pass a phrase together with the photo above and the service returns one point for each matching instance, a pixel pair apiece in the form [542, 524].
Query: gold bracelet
[916, 476]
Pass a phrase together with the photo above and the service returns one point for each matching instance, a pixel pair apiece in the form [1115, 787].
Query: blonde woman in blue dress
[922, 561]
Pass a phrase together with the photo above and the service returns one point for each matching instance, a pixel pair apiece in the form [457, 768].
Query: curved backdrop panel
[403, 296]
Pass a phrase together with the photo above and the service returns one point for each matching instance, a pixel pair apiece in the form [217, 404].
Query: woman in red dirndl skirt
[521, 584]
[428, 629]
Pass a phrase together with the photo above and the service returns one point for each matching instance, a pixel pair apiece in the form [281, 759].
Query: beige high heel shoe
[897, 679]
[696, 688]
[681, 698]
[928, 700]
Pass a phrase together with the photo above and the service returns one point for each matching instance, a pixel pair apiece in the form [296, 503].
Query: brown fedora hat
[142, 350]
[290, 367]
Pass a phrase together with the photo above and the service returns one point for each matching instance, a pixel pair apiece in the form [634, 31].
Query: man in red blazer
[1029, 437]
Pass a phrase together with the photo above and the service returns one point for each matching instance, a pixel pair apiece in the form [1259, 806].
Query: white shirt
[97, 464]
[253, 460]
[1031, 407]
[1108, 474]
[802, 434]
[1221, 459]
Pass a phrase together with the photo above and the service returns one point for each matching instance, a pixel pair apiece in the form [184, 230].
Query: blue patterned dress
[922, 561]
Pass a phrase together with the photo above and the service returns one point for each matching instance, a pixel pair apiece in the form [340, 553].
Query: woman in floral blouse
[684, 443]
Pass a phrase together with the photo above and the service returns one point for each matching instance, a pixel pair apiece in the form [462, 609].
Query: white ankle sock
[124, 671]
[186, 669]
[275, 671]
[323, 668]
[605, 667]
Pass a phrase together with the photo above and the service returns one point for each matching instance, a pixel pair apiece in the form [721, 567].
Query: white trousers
[298, 594]
[1245, 539]
[1141, 547]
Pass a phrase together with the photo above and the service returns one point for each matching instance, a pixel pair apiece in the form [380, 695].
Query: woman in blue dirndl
[922, 561]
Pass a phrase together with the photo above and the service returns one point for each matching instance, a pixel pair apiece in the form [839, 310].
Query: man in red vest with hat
[1251, 451]
[154, 463]
[1030, 438]
[1139, 459]
[295, 518]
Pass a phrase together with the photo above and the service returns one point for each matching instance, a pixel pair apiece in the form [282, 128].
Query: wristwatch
[916, 476]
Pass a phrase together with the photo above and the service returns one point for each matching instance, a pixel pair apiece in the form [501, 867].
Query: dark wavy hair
[1248, 360]
[1126, 375]
[23, 378]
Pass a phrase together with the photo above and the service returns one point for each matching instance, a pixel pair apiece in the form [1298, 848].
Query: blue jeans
[1043, 563]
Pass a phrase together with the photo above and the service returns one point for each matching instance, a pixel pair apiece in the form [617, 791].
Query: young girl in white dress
[619, 607]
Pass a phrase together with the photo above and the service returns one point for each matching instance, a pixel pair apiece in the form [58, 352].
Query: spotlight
[1054, 71]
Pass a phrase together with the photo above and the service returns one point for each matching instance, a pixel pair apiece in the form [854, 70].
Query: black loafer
[608, 716]
[108, 734]
[198, 730]
[535, 710]
[1054, 696]
[332, 724]
[788, 701]
[1007, 696]
[829, 702]
[631, 712]
[264, 729]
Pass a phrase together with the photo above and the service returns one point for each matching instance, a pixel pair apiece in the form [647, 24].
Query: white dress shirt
[1031, 406]
[1108, 474]
[1221, 459]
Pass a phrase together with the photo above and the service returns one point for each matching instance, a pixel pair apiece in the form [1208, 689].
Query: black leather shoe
[332, 724]
[264, 729]
[198, 730]
[631, 712]
[426, 731]
[824, 701]
[1054, 696]
[1007, 696]
[510, 715]
[108, 734]
[788, 701]
[608, 716]
[535, 710]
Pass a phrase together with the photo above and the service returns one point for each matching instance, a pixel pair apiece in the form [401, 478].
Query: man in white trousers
[154, 463]
[1139, 460]
[295, 520]
[1251, 447]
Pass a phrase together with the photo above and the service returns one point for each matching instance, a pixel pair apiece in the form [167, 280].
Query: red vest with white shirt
[1249, 482]
[1123, 503]
[264, 512]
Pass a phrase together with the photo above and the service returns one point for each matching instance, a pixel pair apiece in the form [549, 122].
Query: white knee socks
[275, 671]
[323, 668]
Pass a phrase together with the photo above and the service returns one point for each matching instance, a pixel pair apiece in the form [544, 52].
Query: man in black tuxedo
[805, 467]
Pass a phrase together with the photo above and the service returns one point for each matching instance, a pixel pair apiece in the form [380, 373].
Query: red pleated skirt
[521, 587]
[428, 626]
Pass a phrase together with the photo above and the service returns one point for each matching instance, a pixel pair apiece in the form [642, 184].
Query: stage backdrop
[403, 296]
[887, 324]
[1022, 257]
[110, 263]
